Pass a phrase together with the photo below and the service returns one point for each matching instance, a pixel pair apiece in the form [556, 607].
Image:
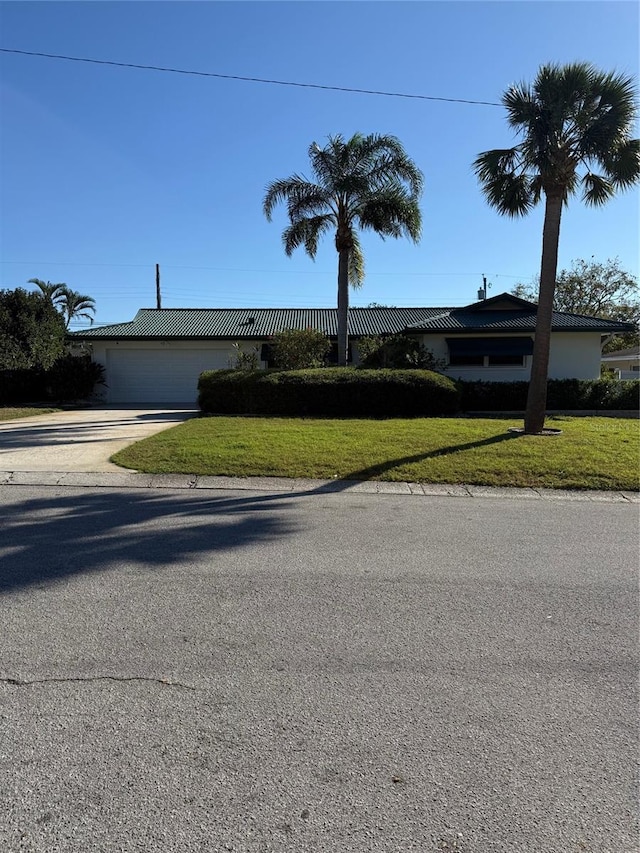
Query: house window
[489, 352]
[466, 360]
[505, 360]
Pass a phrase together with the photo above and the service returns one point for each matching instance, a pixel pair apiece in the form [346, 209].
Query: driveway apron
[81, 440]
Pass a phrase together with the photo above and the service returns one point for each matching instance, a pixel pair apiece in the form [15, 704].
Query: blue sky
[107, 171]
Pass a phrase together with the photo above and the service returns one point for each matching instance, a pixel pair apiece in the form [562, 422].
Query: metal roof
[631, 353]
[259, 323]
[519, 320]
[251, 323]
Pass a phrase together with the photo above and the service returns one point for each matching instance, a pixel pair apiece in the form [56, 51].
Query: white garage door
[159, 375]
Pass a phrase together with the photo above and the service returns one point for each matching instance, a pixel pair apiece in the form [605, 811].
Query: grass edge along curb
[591, 453]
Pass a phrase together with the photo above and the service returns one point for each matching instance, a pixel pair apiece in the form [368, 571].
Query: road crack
[19, 682]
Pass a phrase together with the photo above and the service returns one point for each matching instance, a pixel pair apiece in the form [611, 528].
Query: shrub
[22, 386]
[567, 394]
[329, 392]
[73, 378]
[299, 349]
[31, 331]
[397, 351]
[478, 396]
[245, 359]
[69, 378]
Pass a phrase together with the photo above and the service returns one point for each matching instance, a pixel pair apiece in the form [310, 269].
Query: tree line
[34, 324]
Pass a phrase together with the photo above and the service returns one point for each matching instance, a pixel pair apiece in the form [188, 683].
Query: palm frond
[391, 212]
[622, 164]
[74, 304]
[596, 189]
[497, 161]
[355, 269]
[520, 104]
[608, 122]
[53, 292]
[536, 187]
[306, 232]
[328, 163]
[504, 183]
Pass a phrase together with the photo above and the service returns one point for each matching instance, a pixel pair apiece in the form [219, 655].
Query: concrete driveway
[81, 440]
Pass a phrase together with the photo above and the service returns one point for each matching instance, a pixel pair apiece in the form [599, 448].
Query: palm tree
[366, 182]
[74, 304]
[53, 292]
[572, 120]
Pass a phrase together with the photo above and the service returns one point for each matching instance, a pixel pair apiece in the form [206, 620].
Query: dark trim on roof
[490, 303]
[258, 324]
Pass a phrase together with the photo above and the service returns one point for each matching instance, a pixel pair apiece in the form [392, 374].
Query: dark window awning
[490, 346]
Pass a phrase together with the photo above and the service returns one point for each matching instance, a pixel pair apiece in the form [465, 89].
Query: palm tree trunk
[343, 306]
[537, 396]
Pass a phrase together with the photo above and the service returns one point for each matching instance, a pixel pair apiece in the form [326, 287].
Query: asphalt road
[270, 673]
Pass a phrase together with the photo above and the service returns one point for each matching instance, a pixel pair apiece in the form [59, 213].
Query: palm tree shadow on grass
[374, 471]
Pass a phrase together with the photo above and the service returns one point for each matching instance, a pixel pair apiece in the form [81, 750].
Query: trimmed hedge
[69, 378]
[564, 394]
[21, 386]
[329, 392]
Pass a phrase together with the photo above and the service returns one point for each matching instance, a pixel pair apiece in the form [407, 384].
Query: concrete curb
[135, 480]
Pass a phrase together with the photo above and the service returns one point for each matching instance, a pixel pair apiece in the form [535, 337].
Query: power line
[261, 271]
[248, 79]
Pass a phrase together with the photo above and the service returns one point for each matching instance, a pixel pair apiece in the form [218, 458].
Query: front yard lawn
[591, 453]
[9, 413]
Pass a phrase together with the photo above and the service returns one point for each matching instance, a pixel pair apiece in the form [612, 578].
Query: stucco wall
[575, 355]
[100, 347]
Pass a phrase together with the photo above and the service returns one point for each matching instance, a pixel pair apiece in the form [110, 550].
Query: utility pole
[158, 298]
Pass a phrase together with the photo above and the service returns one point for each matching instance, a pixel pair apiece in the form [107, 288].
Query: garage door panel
[159, 375]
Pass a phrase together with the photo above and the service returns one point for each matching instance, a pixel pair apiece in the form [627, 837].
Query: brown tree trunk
[343, 306]
[537, 396]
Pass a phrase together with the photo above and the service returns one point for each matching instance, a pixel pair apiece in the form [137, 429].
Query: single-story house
[158, 356]
[625, 362]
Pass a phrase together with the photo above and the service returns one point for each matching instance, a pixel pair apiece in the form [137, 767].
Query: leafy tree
[31, 331]
[598, 290]
[365, 182]
[53, 292]
[245, 359]
[396, 351]
[76, 305]
[573, 120]
[299, 349]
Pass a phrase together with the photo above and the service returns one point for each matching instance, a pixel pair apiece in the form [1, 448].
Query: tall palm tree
[575, 123]
[53, 292]
[76, 305]
[365, 182]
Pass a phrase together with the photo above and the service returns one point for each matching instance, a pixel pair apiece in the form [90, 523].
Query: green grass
[591, 453]
[9, 413]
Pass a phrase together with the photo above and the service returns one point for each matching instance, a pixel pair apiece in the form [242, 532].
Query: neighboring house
[625, 362]
[158, 356]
